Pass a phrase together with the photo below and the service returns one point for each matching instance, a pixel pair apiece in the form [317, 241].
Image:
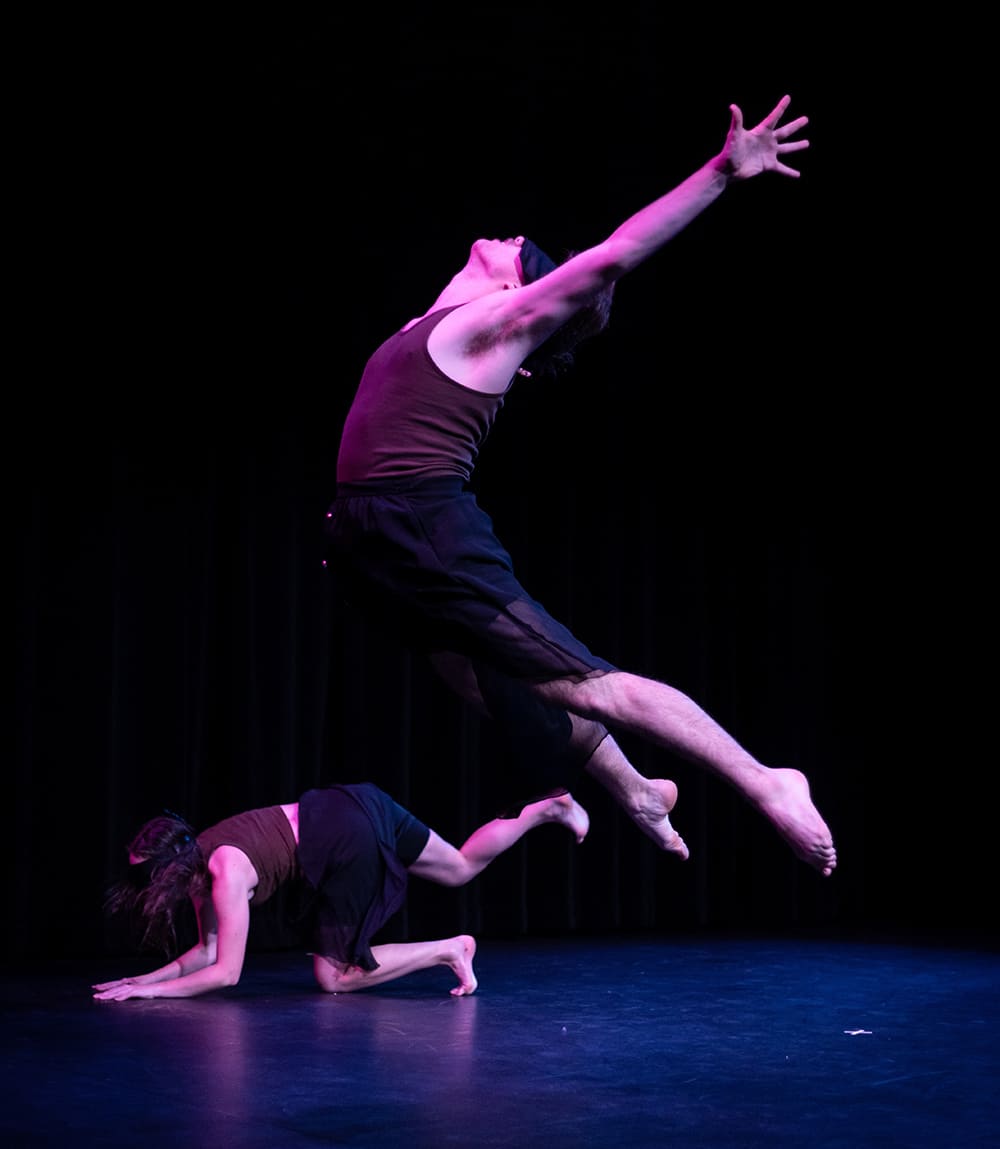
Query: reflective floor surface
[728, 1042]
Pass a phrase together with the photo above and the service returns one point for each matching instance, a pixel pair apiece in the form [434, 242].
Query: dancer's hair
[558, 353]
[170, 871]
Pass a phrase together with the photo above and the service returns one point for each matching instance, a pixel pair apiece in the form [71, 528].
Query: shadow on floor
[731, 1043]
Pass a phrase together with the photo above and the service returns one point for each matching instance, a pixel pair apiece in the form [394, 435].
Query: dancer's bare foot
[789, 807]
[650, 814]
[568, 812]
[462, 949]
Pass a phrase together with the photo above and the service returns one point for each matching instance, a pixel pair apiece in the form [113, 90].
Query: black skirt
[420, 558]
[355, 847]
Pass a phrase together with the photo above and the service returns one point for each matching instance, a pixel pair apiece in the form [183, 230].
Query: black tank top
[408, 418]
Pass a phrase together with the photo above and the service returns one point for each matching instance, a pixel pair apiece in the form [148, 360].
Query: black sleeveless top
[410, 419]
[266, 838]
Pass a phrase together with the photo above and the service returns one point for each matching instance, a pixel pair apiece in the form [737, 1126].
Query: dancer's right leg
[670, 719]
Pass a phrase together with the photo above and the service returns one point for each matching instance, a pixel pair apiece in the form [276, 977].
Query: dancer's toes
[825, 859]
[676, 845]
[820, 855]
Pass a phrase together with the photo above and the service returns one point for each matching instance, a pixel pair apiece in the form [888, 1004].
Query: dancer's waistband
[429, 484]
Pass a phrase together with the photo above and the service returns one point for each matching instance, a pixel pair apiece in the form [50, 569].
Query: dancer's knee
[586, 699]
[336, 977]
[442, 863]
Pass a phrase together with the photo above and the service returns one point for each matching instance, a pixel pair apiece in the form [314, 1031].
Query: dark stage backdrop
[234, 218]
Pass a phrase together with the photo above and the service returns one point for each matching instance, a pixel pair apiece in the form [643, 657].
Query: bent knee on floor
[335, 977]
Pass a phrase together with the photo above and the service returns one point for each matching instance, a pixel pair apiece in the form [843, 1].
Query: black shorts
[355, 847]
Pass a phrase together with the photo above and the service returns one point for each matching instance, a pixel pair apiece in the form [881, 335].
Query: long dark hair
[172, 871]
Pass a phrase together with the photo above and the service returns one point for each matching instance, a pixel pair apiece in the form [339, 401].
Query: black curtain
[235, 218]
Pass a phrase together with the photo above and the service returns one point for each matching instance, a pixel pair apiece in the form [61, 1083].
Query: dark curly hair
[558, 353]
[171, 870]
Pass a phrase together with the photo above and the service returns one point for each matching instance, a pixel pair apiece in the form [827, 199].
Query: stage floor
[726, 1042]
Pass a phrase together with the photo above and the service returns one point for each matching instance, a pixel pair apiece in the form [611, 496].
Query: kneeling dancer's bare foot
[459, 958]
